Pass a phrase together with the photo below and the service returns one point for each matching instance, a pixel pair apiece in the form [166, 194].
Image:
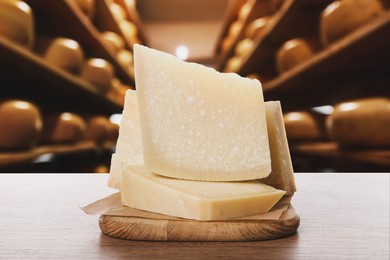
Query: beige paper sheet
[111, 206]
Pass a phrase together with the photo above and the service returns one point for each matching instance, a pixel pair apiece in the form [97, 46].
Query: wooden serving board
[136, 228]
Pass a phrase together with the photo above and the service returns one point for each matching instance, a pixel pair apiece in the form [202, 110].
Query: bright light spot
[66, 116]
[71, 44]
[116, 118]
[22, 105]
[293, 116]
[348, 106]
[98, 63]
[44, 158]
[23, 6]
[182, 52]
[331, 8]
[326, 110]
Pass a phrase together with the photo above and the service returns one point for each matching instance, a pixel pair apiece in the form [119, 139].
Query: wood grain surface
[134, 228]
[343, 216]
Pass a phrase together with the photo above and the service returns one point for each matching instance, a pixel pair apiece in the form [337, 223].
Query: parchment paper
[111, 206]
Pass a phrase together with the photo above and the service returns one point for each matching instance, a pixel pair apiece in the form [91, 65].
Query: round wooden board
[134, 228]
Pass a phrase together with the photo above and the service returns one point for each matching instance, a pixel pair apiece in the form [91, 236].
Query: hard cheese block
[197, 200]
[282, 174]
[129, 144]
[197, 123]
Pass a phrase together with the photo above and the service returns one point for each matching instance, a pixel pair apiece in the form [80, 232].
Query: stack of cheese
[193, 143]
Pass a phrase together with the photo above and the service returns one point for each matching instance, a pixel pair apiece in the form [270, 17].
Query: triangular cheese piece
[197, 123]
[282, 174]
[129, 144]
[198, 200]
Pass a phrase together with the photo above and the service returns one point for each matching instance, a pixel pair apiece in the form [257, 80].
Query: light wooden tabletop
[343, 216]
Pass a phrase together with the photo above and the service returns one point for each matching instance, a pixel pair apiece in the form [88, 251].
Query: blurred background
[65, 66]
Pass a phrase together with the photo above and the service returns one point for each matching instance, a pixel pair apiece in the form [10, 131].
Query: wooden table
[343, 216]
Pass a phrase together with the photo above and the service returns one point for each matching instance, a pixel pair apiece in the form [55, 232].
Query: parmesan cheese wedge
[129, 144]
[197, 123]
[197, 200]
[282, 174]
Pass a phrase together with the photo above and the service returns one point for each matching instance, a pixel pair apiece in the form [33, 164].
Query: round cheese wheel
[244, 11]
[235, 29]
[256, 27]
[243, 47]
[301, 126]
[118, 12]
[65, 54]
[98, 129]
[227, 43]
[16, 22]
[113, 42]
[125, 58]
[20, 125]
[86, 6]
[129, 31]
[63, 128]
[364, 122]
[292, 53]
[99, 73]
[342, 17]
[233, 64]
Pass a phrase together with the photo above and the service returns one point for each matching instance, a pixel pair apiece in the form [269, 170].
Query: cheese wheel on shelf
[129, 31]
[301, 126]
[17, 22]
[98, 129]
[293, 53]
[233, 64]
[113, 42]
[226, 44]
[62, 53]
[235, 28]
[86, 6]
[20, 125]
[63, 128]
[363, 122]
[245, 10]
[342, 17]
[243, 47]
[99, 73]
[125, 58]
[256, 27]
[117, 11]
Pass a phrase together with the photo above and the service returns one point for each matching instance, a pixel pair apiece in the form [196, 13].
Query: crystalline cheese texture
[129, 144]
[198, 200]
[282, 174]
[197, 123]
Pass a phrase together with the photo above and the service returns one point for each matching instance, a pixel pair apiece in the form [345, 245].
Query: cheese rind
[129, 144]
[198, 200]
[282, 174]
[197, 123]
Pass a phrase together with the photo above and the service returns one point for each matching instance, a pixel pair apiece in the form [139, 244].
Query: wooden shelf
[296, 18]
[331, 150]
[231, 13]
[133, 16]
[258, 9]
[105, 21]
[360, 60]
[29, 76]
[17, 157]
[10, 158]
[327, 77]
[63, 18]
